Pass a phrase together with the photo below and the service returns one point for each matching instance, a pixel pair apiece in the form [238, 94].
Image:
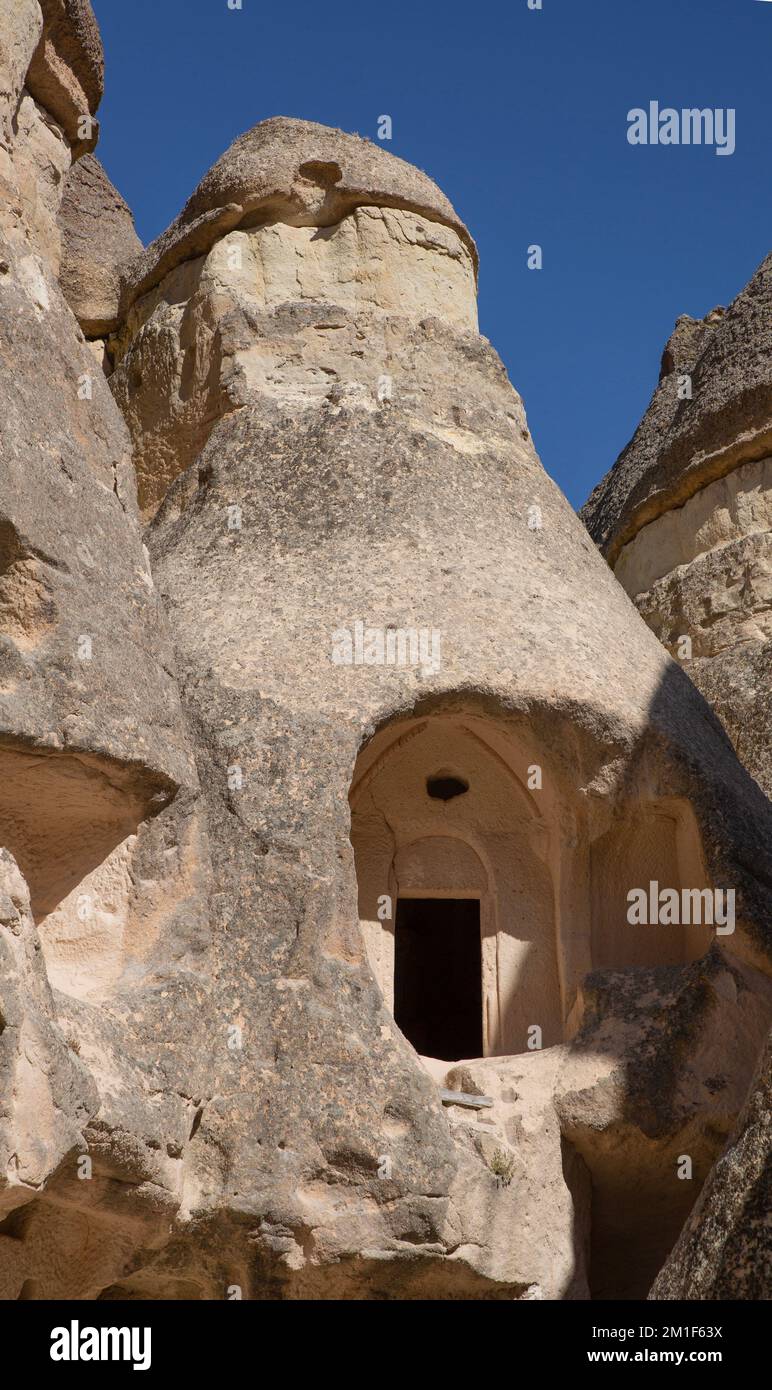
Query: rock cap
[293, 171]
[682, 445]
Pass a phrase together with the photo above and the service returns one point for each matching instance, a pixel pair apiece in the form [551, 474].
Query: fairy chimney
[347, 997]
[685, 515]
[685, 520]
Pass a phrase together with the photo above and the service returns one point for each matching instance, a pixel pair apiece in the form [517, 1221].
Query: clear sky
[520, 116]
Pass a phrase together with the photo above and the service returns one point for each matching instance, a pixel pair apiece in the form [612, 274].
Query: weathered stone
[295, 172]
[725, 1249]
[655, 1076]
[393, 689]
[84, 655]
[21, 24]
[66, 73]
[50, 87]
[685, 515]
[281, 310]
[387, 444]
[98, 237]
[92, 750]
[685, 518]
[46, 1094]
[687, 442]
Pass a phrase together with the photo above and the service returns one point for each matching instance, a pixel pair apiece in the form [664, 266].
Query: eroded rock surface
[98, 238]
[725, 1250]
[359, 587]
[287, 275]
[685, 519]
[685, 515]
[92, 745]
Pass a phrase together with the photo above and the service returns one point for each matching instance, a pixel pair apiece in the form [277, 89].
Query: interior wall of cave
[551, 871]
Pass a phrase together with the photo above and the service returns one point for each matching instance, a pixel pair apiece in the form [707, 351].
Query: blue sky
[521, 116]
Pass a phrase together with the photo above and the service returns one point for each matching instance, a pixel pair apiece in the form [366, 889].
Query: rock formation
[369, 674]
[685, 515]
[685, 519]
[724, 1250]
[92, 743]
[98, 236]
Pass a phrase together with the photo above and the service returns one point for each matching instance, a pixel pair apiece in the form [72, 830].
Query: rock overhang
[66, 75]
[98, 237]
[293, 171]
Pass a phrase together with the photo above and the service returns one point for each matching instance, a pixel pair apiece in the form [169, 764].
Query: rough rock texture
[51, 68]
[92, 744]
[283, 310]
[725, 1249]
[84, 654]
[685, 515]
[46, 1094]
[98, 237]
[21, 24]
[348, 443]
[295, 172]
[685, 519]
[66, 74]
[690, 442]
[657, 1074]
[204, 1085]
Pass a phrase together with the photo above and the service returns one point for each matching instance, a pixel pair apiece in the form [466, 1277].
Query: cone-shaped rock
[414, 680]
[466, 934]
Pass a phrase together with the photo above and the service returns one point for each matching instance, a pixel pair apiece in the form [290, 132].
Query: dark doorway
[438, 976]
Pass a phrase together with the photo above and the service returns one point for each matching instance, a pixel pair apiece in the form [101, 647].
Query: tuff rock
[685, 515]
[364, 654]
[98, 237]
[724, 1249]
[685, 520]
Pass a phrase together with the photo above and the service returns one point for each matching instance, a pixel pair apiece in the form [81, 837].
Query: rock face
[231, 299]
[300, 174]
[87, 704]
[317, 975]
[685, 515]
[98, 237]
[685, 519]
[725, 1250]
[38, 1071]
[91, 738]
[338, 447]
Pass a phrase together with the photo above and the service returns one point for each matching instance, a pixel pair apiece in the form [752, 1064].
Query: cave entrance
[438, 976]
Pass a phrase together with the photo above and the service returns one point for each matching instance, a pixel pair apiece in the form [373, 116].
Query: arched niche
[648, 843]
[461, 808]
[489, 843]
